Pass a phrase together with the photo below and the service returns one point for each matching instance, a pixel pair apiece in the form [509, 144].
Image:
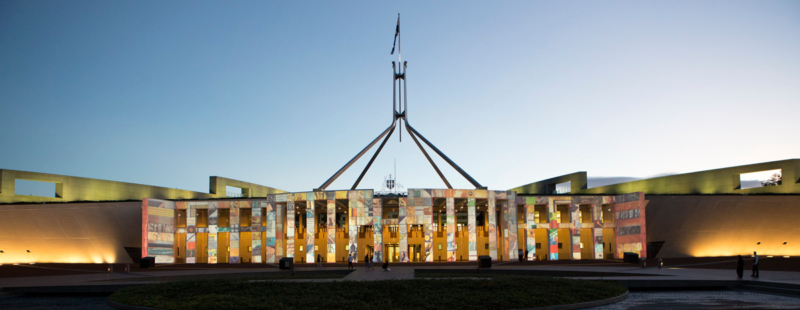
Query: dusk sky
[284, 93]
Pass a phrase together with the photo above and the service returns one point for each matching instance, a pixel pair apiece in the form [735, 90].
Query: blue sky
[283, 93]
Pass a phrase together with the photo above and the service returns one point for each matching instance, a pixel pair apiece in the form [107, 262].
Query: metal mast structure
[399, 116]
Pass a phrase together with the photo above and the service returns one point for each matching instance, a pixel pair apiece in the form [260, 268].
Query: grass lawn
[506, 292]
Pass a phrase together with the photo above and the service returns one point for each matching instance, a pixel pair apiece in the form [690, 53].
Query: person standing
[350, 261]
[366, 261]
[755, 265]
[520, 253]
[740, 267]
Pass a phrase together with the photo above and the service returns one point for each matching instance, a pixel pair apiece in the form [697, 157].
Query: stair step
[770, 289]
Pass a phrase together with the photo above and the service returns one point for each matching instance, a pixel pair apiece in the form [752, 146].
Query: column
[553, 229]
[427, 224]
[575, 230]
[403, 228]
[213, 230]
[234, 245]
[451, 228]
[352, 224]
[512, 227]
[530, 230]
[311, 225]
[191, 234]
[492, 217]
[473, 238]
[331, 225]
[270, 231]
[290, 225]
[280, 235]
[255, 230]
[377, 226]
[597, 230]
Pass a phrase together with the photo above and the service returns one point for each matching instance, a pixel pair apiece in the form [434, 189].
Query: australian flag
[396, 33]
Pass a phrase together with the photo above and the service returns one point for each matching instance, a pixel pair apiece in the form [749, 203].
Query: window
[559, 245]
[35, 188]
[538, 246]
[564, 188]
[760, 179]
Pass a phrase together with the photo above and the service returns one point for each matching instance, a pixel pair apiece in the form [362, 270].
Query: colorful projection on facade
[265, 234]
[158, 230]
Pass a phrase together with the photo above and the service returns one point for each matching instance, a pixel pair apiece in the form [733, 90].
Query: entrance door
[370, 250]
[415, 249]
[393, 254]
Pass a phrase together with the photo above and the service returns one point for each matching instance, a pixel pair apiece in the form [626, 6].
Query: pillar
[451, 229]
[377, 228]
[290, 225]
[597, 230]
[511, 216]
[191, 234]
[471, 229]
[280, 235]
[492, 217]
[270, 231]
[213, 230]
[331, 225]
[552, 229]
[352, 224]
[427, 225]
[255, 230]
[403, 228]
[234, 240]
[575, 230]
[530, 229]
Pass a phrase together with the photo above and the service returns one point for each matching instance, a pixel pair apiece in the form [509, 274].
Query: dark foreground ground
[637, 300]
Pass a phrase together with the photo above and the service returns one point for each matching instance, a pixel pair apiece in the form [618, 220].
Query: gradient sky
[283, 94]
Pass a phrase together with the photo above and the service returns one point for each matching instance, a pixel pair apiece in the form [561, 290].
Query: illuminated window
[581, 245]
[536, 216]
[558, 216]
[580, 216]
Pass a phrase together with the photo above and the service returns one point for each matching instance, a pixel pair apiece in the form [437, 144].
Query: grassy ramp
[493, 293]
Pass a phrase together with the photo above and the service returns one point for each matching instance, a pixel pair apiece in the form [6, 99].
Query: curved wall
[70, 232]
[724, 225]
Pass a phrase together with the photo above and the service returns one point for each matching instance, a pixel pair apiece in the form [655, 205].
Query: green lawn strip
[496, 293]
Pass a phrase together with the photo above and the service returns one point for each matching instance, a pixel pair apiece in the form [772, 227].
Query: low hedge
[499, 293]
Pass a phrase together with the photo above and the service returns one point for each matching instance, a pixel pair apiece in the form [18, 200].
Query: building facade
[427, 225]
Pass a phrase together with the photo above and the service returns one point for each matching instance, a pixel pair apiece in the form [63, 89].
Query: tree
[774, 180]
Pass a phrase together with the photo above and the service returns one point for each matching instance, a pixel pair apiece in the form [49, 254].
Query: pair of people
[368, 261]
[740, 266]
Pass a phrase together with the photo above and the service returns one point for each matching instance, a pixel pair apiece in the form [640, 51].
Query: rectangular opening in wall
[232, 191]
[564, 188]
[35, 188]
[760, 179]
